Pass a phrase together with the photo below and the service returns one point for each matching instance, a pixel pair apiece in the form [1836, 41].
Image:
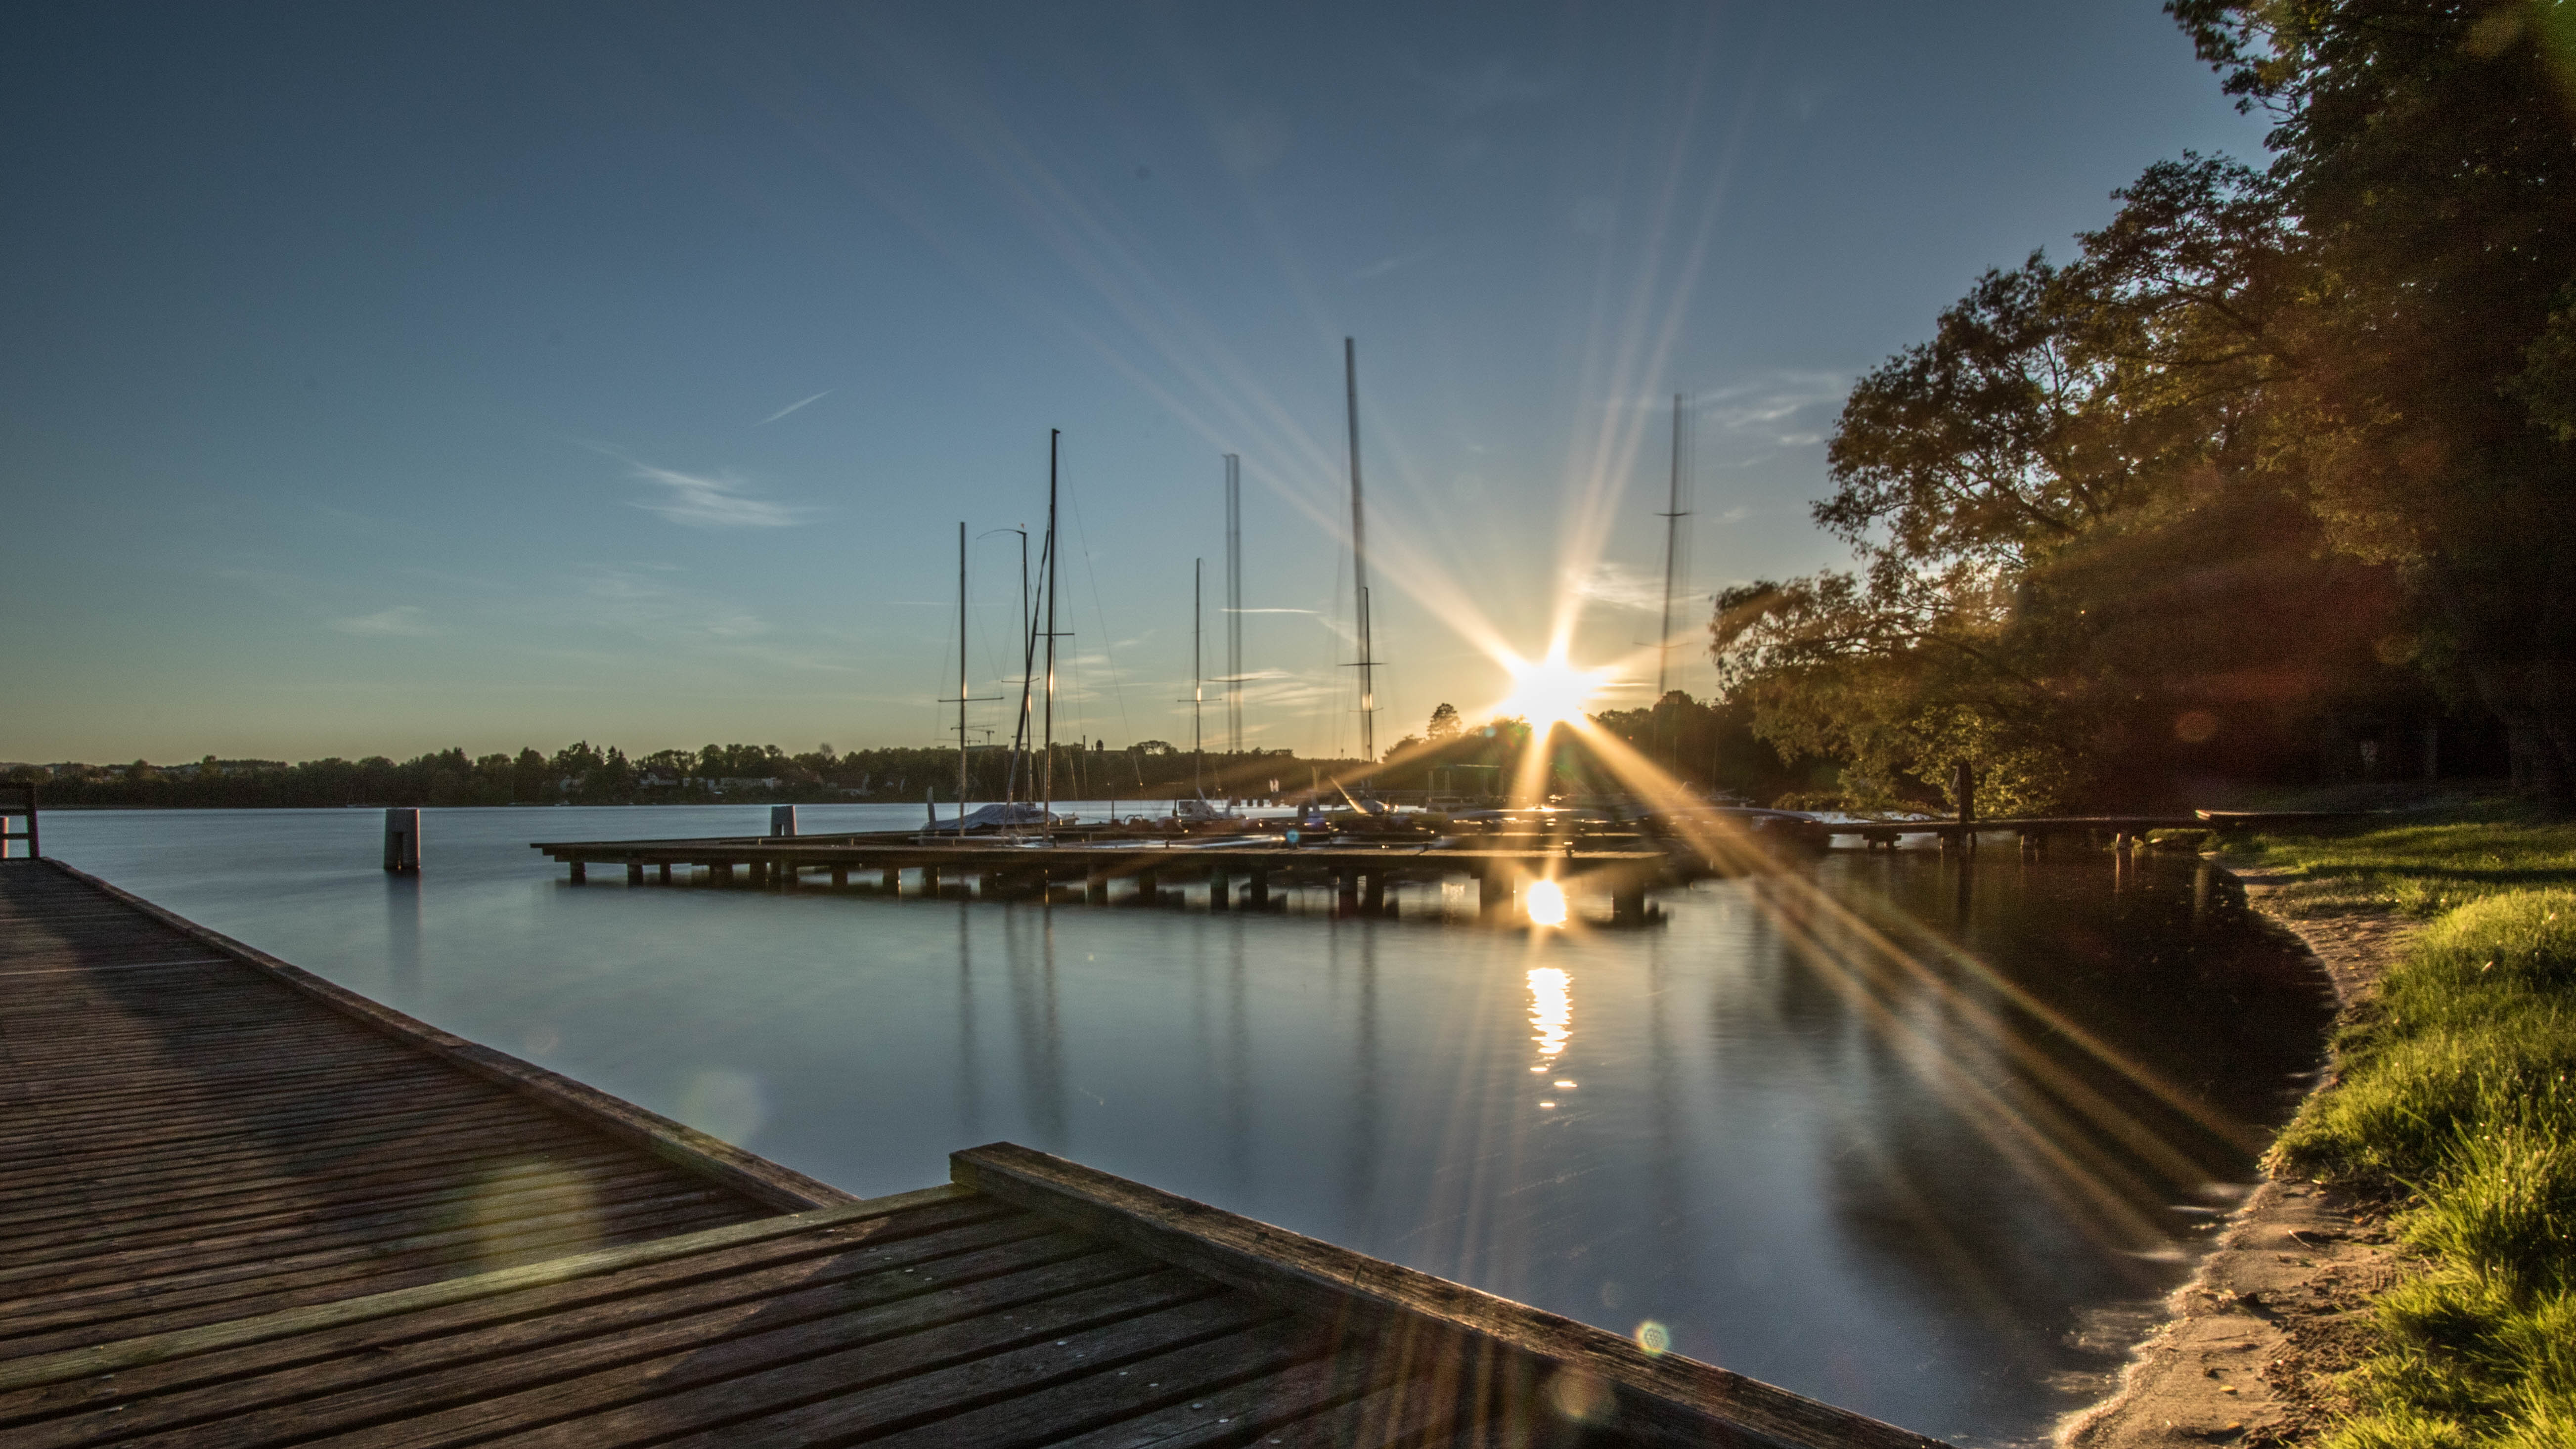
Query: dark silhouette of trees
[2276, 448]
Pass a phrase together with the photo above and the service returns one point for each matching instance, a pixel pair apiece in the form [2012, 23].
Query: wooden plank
[1199, 1380]
[414, 1376]
[52, 1322]
[492, 1204]
[1409, 1412]
[332, 1205]
[162, 1348]
[322, 1142]
[720, 1364]
[917, 1380]
[507, 1323]
[1228, 1414]
[1658, 1398]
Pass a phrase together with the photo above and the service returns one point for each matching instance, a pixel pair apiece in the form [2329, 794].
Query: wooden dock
[247, 1207]
[1237, 871]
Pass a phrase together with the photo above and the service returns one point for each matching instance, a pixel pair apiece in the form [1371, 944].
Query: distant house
[651, 781]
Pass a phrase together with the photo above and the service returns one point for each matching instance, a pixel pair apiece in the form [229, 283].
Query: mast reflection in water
[1914, 1136]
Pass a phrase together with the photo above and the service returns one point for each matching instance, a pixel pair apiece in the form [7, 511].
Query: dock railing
[24, 804]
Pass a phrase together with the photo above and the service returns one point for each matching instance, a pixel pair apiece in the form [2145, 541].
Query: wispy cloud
[1618, 586]
[1767, 408]
[402, 620]
[720, 501]
[791, 407]
[1398, 262]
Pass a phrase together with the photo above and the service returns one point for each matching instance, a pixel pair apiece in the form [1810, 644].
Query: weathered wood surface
[188, 1138]
[247, 1208]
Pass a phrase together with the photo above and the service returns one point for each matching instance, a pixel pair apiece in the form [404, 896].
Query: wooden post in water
[1628, 901]
[782, 820]
[26, 810]
[402, 841]
[1257, 893]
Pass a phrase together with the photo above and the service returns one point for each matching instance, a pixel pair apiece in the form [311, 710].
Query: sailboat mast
[1233, 604]
[1048, 562]
[961, 673]
[1359, 558]
[1198, 678]
[1028, 664]
[1673, 515]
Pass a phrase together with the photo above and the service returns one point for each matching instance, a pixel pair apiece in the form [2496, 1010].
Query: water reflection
[970, 1057]
[1030, 944]
[1894, 1132]
[402, 937]
[1551, 1012]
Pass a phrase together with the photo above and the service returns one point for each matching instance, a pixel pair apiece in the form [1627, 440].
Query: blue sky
[379, 379]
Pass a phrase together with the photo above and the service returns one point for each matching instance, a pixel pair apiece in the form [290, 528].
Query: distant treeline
[1700, 744]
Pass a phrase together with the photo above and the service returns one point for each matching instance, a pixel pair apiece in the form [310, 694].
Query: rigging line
[1108, 656]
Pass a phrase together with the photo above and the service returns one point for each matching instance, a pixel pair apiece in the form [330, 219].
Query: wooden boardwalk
[247, 1208]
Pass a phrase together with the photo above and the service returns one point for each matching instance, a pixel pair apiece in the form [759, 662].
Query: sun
[1550, 691]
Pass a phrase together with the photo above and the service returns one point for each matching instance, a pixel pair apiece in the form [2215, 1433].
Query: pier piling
[402, 841]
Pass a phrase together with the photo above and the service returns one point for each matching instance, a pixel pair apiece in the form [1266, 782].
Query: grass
[2457, 1094]
[2426, 861]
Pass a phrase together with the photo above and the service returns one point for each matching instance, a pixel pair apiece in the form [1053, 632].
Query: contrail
[791, 407]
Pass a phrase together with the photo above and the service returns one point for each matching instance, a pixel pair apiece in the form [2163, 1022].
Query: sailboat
[1011, 814]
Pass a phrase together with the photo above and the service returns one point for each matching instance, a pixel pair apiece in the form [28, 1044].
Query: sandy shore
[2273, 1310]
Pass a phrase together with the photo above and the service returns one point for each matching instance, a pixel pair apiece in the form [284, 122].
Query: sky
[380, 379]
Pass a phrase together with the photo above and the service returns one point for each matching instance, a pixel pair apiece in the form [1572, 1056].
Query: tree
[2426, 150]
[529, 782]
[2068, 531]
[1444, 725]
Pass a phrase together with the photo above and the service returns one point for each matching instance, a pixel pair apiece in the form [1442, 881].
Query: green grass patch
[2458, 1091]
[2422, 862]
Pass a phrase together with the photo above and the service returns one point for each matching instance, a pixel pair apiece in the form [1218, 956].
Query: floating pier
[1243, 871]
[248, 1207]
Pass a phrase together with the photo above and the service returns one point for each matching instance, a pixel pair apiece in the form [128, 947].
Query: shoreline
[2249, 1341]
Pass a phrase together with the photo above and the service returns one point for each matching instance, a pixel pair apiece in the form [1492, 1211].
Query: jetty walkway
[246, 1207]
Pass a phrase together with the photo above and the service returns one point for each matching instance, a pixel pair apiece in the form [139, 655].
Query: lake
[1922, 1137]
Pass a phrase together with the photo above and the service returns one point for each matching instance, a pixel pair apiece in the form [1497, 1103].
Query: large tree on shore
[2427, 150]
[2268, 434]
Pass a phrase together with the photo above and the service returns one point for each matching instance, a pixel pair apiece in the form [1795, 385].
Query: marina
[1238, 864]
[252, 1206]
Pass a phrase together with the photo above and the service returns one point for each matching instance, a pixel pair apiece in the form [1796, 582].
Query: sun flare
[1550, 691]
[1546, 907]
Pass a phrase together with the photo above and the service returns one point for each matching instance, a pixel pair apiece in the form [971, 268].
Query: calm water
[1924, 1141]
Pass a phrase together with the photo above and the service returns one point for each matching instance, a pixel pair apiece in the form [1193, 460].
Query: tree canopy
[2275, 447]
